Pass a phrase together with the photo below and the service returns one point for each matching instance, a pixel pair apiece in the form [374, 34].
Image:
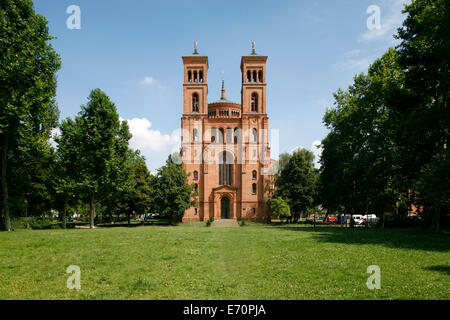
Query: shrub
[280, 208]
[209, 222]
[35, 223]
[242, 223]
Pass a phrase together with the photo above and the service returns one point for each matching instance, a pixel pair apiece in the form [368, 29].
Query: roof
[223, 101]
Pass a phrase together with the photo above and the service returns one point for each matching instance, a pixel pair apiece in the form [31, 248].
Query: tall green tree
[100, 133]
[67, 165]
[172, 194]
[138, 198]
[359, 168]
[121, 178]
[28, 64]
[297, 182]
[424, 54]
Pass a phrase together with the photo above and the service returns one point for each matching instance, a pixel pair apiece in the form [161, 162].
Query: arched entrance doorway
[225, 208]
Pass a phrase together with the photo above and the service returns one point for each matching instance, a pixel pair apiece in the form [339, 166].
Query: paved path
[226, 223]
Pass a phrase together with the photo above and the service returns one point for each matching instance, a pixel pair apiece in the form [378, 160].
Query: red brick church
[225, 144]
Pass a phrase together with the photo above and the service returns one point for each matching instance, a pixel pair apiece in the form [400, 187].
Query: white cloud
[316, 148]
[146, 138]
[148, 81]
[153, 144]
[55, 133]
[391, 19]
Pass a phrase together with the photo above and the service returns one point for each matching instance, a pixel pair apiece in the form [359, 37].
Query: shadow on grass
[108, 225]
[133, 225]
[418, 239]
[442, 269]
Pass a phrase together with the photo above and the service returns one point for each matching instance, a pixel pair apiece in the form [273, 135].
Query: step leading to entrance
[226, 223]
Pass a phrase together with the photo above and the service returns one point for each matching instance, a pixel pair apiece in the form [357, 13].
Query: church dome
[224, 108]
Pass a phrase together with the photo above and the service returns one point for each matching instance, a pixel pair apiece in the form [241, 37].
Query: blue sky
[132, 50]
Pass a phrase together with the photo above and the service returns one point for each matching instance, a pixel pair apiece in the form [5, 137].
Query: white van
[358, 218]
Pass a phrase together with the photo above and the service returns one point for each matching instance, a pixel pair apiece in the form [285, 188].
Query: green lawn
[251, 262]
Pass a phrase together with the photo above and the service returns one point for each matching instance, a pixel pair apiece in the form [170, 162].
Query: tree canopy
[297, 181]
[28, 64]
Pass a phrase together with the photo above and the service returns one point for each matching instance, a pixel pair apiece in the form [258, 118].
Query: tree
[297, 182]
[359, 170]
[99, 133]
[121, 179]
[171, 191]
[138, 199]
[280, 208]
[66, 167]
[29, 177]
[425, 122]
[28, 65]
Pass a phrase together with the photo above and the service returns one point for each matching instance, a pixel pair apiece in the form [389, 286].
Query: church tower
[255, 125]
[225, 144]
[195, 113]
[253, 68]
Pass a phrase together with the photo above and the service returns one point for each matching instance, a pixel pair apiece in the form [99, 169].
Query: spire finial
[253, 47]
[223, 86]
[195, 47]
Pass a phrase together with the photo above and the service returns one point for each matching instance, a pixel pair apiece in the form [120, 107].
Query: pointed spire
[223, 90]
[195, 47]
[223, 86]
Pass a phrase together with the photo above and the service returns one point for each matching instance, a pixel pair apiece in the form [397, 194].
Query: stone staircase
[226, 223]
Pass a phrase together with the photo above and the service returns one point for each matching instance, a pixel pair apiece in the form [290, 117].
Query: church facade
[225, 145]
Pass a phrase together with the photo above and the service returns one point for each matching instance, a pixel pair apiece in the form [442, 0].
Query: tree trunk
[129, 218]
[326, 217]
[4, 182]
[64, 213]
[437, 216]
[314, 219]
[92, 208]
[110, 216]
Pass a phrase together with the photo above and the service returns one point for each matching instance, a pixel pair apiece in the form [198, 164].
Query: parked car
[332, 219]
[370, 218]
[358, 219]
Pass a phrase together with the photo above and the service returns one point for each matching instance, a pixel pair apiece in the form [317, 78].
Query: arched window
[225, 163]
[195, 102]
[189, 76]
[201, 75]
[254, 188]
[221, 135]
[195, 76]
[260, 76]
[254, 76]
[229, 135]
[254, 174]
[236, 135]
[196, 187]
[254, 102]
[195, 175]
[195, 134]
[249, 76]
[213, 135]
[254, 136]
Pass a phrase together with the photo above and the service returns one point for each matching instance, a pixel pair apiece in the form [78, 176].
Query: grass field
[251, 262]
